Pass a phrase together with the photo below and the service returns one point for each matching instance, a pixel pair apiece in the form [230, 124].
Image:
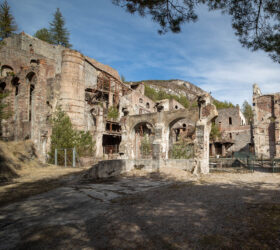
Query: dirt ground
[168, 210]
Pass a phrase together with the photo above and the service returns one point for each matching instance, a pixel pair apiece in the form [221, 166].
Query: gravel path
[170, 210]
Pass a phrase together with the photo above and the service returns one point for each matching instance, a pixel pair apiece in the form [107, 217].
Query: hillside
[176, 87]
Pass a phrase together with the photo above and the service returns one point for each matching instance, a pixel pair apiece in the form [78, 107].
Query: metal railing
[65, 155]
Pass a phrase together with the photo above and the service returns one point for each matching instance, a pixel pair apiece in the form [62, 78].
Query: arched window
[230, 121]
[31, 80]
[147, 105]
[6, 70]
[15, 83]
[140, 100]
[176, 107]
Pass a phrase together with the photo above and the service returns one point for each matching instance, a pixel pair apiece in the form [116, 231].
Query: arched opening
[143, 141]
[6, 70]
[176, 107]
[31, 80]
[181, 139]
[147, 105]
[230, 121]
[140, 100]
[16, 83]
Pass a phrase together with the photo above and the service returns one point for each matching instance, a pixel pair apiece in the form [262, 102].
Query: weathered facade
[235, 133]
[40, 77]
[266, 124]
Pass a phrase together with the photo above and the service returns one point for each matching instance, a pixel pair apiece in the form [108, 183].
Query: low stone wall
[110, 168]
[225, 162]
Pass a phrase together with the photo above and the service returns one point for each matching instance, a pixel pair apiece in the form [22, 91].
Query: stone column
[213, 149]
[99, 133]
[223, 150]
[202, 146]
[72, 87]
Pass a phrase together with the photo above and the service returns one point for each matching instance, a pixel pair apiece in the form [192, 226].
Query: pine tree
[59, 33]
[7, 21]
[44, 35]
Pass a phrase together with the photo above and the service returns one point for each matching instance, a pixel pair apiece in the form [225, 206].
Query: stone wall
[111, 168]
[266, 124]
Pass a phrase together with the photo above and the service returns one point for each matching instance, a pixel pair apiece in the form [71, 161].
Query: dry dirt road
[168, 210]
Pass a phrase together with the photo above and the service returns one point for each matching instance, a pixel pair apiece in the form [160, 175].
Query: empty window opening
[176, 107]
[6, 70]
[143, 129]
[31, 90]
[141, 100]
[15, 83]
[34, 62]
[147, 105]
[230, 121]
[113, 127]
[2, 87]
[230, 135]
[111, 144]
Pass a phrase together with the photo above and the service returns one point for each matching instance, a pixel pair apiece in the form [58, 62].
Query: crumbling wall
[266, 117]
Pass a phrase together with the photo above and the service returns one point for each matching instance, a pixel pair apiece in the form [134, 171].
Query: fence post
[74, 157]
[55, 157]
[65, 157]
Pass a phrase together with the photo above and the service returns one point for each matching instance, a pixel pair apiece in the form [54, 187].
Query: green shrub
[215, 132]
[146, 146]
[182, 150]
[113, 113]
[65, 136]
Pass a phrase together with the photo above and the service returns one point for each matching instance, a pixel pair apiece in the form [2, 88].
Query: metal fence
[66, 157]
[249, 161]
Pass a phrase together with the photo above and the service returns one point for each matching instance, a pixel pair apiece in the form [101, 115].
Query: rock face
[177, 87]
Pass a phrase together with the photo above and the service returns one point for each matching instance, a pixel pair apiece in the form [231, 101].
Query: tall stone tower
[72, 87]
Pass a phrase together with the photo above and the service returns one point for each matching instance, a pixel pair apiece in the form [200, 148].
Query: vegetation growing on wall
[161, 95]
[215, 133]
[113, 113]
[5, 111]
[182, 150]
[146, 146]
[65, 136]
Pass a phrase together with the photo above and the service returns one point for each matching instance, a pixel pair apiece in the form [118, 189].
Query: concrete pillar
[213, 149]
[110, 100]
[223, 150]
[99, 134]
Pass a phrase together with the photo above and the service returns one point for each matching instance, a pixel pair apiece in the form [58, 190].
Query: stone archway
[143, 138]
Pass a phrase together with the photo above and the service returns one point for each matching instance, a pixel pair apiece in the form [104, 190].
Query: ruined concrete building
[266, 124]
[235, 133]
[41, 77]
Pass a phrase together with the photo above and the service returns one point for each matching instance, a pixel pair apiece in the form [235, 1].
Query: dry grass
[23, 175]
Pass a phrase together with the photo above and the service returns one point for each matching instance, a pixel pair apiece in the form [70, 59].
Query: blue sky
[205, 53]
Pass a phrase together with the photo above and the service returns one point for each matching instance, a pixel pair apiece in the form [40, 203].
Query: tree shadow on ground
[21, 191]
[182, 215]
